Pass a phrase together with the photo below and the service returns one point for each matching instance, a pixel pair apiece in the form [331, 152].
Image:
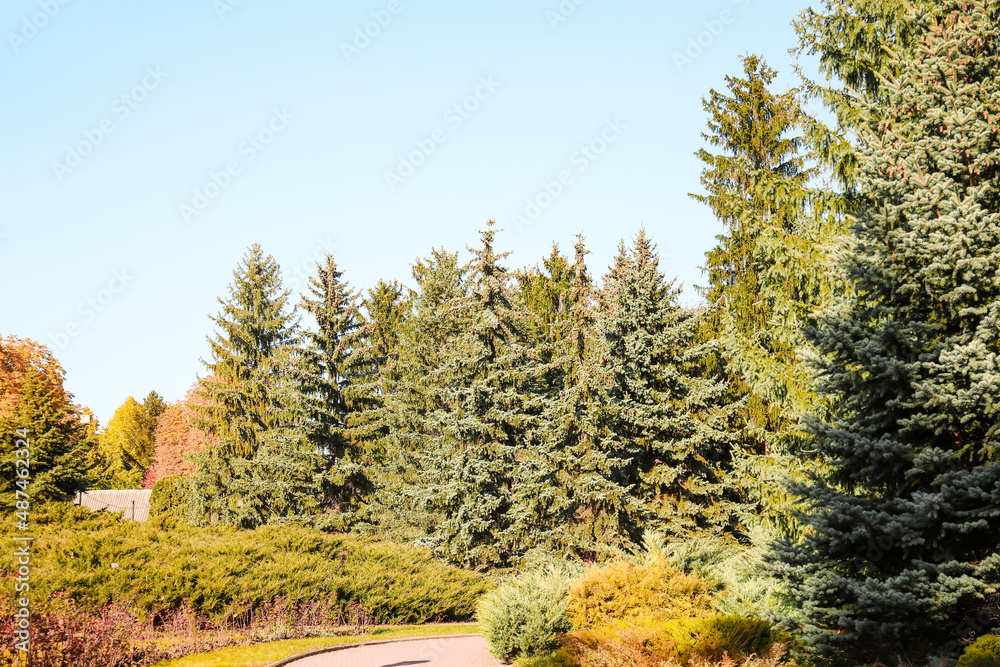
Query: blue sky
[146, 145]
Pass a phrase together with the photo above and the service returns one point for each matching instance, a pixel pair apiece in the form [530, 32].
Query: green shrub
[164, 565]
[747, 586]
[985, 652]
[646, 592]
[524, 616]
[558, 658]
[167, 498]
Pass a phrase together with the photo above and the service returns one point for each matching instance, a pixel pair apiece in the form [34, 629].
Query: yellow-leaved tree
[125, 448]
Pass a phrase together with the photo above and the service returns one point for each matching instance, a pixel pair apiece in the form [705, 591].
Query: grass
[260, 655]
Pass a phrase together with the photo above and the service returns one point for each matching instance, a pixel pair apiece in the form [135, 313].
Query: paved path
[440, 652]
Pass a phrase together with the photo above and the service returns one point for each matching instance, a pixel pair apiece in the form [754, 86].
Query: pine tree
[254, 324]
[664, 421]
[485, 424]
[769, 272]
[56, 443]
[901, 545]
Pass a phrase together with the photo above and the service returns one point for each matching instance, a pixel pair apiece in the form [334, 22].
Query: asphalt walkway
[435, 652]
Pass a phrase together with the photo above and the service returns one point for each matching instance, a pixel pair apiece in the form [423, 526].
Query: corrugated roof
[131, 503]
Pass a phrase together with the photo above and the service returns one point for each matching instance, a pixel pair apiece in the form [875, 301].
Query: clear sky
[147, 144]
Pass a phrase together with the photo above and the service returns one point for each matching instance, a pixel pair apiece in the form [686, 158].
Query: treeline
[840, 384]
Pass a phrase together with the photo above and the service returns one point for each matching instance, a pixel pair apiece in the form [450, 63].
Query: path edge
[330, 649]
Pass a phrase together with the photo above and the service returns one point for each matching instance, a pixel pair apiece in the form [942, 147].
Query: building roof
[131, 503]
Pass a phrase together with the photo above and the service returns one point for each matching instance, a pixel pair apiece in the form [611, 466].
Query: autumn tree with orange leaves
[177, 438]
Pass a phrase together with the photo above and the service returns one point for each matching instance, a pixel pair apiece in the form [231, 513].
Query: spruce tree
[586, 504]
[901, 545]
[396, 424]
[770, 270]
[374, 366]
[853, 40]
[665, 424]
[254, 324]
[246, 396]
[154, 406]
[484, 428]
[321, 368]
[317, 386]
[43, 422]
[543, 294]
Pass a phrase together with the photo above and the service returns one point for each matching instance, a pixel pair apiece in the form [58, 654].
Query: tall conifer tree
[42, 427]
[664, 420]
[769, 272]
[901, 545]
[485, 424]
[587, 504]
[413, 391]
[254, 324]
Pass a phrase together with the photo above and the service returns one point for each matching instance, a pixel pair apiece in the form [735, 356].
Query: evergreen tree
[665, 424]
[585, 504]
[397, 423]
[321, 367]
[485, 424]
[542, 294]
[43, 422]
[853, 40]
[154, 406]
[290, 478]
[254, 324]
[769, 272]
[374, 365]
[246, 396]
[901, 545]
[316, 391]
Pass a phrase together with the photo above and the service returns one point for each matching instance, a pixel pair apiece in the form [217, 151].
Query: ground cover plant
[115, 592]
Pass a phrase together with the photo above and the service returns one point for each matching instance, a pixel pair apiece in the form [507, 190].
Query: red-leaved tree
[177, 438]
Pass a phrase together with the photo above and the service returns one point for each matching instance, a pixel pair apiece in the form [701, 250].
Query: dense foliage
[164, 565]
[902, 540]
[815, 444]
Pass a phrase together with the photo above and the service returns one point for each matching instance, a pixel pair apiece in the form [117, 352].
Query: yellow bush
[703, 640]
[649, 592]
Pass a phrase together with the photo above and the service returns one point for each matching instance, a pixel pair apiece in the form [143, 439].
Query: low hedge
[98, 558]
